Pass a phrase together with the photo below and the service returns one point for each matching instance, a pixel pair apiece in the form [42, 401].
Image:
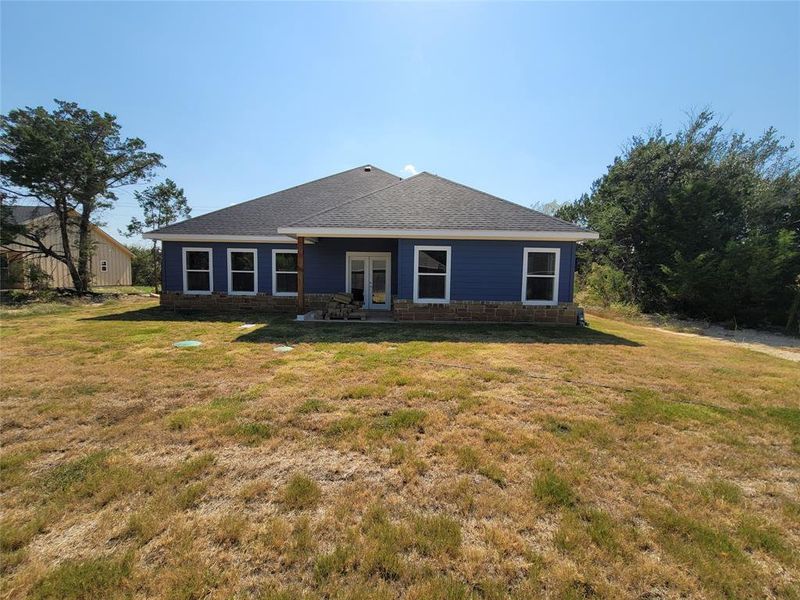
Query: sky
[527, 101]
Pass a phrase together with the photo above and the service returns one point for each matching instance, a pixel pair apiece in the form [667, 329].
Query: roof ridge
[330, 208]
[213, 212]
[502, 199]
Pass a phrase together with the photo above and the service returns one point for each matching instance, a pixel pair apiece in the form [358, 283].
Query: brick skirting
[512, 312]
[218, 301]
[402, 310]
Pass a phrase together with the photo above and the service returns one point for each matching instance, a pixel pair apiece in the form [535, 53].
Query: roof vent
[368, 168]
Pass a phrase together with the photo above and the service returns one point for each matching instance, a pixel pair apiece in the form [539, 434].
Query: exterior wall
[119, 261]
[485, 281]
[486, 311]
[325, 261]
[119, 265]
[486, 270]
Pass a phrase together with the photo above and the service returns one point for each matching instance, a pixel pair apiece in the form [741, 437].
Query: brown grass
[392, 461]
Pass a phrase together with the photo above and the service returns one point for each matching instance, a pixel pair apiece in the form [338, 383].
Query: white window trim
[254, 271]
[554, 300]
[103, 266]
[446, 299]
[210, 253]
[275, 252]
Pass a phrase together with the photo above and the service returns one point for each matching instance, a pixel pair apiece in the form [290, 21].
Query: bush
[38, 278]
[605, 285]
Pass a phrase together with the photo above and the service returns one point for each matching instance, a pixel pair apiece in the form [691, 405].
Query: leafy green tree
[702, 222]
[70, 160]
[142, 265]
[162, 205]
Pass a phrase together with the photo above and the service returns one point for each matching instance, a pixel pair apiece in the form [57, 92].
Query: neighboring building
[424, 247]
[110, 262]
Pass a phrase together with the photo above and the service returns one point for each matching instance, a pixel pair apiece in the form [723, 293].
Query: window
[284, 272]
[197, 266]
[540, 275]
[103, 266]
[432, 274]
[242, 271]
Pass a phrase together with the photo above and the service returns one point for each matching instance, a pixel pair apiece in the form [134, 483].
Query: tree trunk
[156, 268]
[62, 213]
[84, 250]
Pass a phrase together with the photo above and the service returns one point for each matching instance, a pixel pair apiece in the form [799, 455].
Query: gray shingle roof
[262, 216]
[22, 214]
[372, 199]
[427, 201]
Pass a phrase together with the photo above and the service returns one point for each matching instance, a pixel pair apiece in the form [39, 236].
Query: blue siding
[486, 270]
[481, 270]
[326, 263]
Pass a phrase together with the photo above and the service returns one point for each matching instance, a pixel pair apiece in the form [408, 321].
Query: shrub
[605, 285]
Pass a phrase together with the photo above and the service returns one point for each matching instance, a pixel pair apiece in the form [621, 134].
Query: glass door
[358, 280]
[378, 269]
[368, 279]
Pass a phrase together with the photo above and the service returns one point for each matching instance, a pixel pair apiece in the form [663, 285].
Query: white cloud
[410, 169]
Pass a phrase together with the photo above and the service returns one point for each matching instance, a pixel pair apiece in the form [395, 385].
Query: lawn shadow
[274, 329]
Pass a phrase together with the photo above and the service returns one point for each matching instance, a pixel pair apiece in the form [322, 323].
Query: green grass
[405, 418]
[437, 535]
[301, 493]
[345, 426]
[136, 290]
[711, 553]
[652, 407]
[73, 474]
[553, 490]
[470, 460]
[79, 580]
[758, 535]
[253, 433]
[314, 405]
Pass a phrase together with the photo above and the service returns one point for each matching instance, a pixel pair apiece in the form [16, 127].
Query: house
[110, 262]
[424, 248]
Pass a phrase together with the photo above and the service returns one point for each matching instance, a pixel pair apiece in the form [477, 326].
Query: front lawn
[388, 461]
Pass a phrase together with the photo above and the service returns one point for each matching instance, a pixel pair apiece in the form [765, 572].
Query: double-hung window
[103, 266]
[432, 274]
[242, 271]
[284, 272]
[197, 269]
[540, 276]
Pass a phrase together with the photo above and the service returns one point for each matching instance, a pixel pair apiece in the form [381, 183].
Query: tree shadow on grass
[279, 329]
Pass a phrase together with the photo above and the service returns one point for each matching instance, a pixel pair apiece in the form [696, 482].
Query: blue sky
[530, 102]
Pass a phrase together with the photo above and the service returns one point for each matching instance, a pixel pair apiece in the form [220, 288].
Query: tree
[703, 222]
[547, 208]
[70, 160]
[161, 205]
[142, 272]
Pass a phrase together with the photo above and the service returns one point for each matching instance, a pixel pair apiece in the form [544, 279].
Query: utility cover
[187, 344]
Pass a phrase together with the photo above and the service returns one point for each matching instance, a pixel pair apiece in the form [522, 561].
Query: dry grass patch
[475, 461]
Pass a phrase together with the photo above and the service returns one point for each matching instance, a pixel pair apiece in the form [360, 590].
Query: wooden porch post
[301, 301]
